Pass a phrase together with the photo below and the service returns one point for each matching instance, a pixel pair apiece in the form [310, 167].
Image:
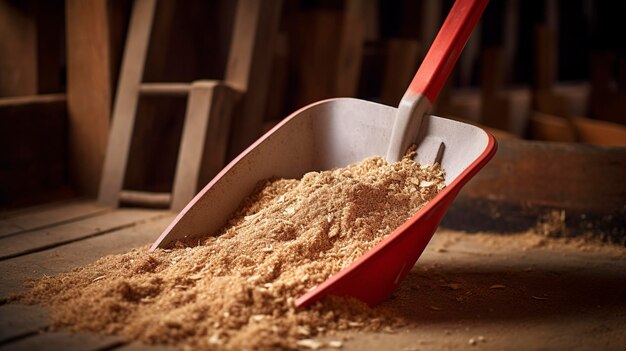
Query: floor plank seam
[115, 346]
[19, 212]
[69, 241]
[22, 336]
[56, 224]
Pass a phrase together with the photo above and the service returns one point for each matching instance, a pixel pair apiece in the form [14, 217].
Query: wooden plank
[126, 100]
[510, 37]
[49, 216]
[249, 65]
[548, 127]
[370, 14]
[275, 108]
[63, 258]
[400, 66]
[314, 44]
[350, 54]
[88, 91]
[495, 104]
[34, 241]
[50, 46]
[164, 88]
[64, 341]
[562, 175]
[18, 61]
[145, 198]
[204, 142]
[600, 132]
[544, 98]
[528, 182]
[430, 21]
[32, 128]
[17, 321]
[143, 347]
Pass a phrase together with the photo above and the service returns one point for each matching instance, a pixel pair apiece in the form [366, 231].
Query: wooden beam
[249, 65]
[18, 48]
[88, 91]
[495, 104]
[34, 151]
[401, 64]
[204, 141]
[126, 100]
[350, 53]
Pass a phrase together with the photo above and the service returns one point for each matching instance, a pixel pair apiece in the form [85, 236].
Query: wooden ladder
[210, 104]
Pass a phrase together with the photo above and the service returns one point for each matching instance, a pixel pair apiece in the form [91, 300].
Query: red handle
[446, 48]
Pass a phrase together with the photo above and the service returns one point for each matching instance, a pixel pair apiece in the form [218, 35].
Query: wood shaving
[235, 289]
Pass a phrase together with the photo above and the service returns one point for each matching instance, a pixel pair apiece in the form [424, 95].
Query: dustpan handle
[445, 50]
[432, 75]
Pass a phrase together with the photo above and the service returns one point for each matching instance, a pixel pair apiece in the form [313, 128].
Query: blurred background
[541, 70]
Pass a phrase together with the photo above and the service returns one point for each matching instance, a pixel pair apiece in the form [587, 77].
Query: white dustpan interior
[329, 134]
[345, 131]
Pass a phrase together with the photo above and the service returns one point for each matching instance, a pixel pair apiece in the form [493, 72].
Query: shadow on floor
[457, 294]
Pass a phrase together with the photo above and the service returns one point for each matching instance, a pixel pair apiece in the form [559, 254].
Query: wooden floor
[56, 238]
[545, 297]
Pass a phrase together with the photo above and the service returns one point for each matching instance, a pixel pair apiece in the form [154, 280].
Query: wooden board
[249, 66]
[204, 141]
[88, 91]
[63, 258]
[63, 341]
[18, 321]
[527, 180]
[38, 240]
[32, 128]
[350, 52]
[18, 61]
[143, 347]
[126, 99]
[401, 64]
[600, 132]
[548, 127]
[48, 216]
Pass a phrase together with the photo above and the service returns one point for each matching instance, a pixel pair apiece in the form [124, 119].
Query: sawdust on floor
[236, 289]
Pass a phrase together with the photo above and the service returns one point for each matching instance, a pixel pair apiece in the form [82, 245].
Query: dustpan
[335, 133]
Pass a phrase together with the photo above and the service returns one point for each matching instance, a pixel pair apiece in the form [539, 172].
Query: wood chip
[497, 286]
[453, 286]
[336, 344]
[257, 317]
[539, 297]
[389, 330]
[215, 340]
[310, 344]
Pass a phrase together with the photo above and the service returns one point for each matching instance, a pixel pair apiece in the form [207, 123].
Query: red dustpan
[337, 132]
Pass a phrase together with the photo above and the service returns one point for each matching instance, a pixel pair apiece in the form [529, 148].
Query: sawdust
[236, 289]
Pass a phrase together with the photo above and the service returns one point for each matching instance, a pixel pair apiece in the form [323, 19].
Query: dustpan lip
[449, 191]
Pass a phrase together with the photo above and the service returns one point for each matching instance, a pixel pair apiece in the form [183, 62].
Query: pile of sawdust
[236, 289]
